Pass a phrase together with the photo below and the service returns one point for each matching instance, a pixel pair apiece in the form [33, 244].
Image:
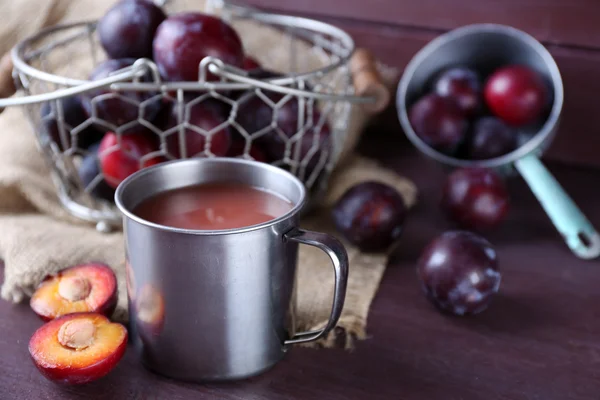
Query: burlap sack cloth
[38, 237]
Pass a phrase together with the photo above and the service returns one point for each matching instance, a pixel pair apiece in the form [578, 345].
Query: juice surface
[214, 206]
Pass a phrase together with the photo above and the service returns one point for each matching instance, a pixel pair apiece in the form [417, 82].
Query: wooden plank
[573, 22]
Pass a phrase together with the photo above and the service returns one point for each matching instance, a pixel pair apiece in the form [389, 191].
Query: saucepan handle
[336, 252]
[578, 232]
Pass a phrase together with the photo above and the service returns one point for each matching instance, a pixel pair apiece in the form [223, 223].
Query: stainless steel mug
[218, 305]
[485, 47]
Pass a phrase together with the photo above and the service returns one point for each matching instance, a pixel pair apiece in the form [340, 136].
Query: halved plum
[78, 348]
[82, 288]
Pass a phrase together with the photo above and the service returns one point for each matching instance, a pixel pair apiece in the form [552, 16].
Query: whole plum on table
[183, 40]
[459, 272]
[475, 198]
[120, 159]
[73, 116]
[89, 170]
[370, 215]
[517, 94]
[461, 85]
[127, 29]
[255, 115]
[206, 115]
[439, 122]
[119, 108]
[491, 138]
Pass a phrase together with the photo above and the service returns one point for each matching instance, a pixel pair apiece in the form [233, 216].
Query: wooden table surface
[540, 339]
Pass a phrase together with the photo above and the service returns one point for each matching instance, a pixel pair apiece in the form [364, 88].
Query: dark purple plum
[459, 272]
[439, 123]
[370, 215]
[121, 158]
[491, 138]
[311, 149]
[238, 145]
[183, 40]
[258, 73]
[89, 170]
[475, 198]
[205, 115]
[115, 110]
[463, 86]
[255, 115]
[250, 64]
[517, 94]
[73, 115]
[127, 29]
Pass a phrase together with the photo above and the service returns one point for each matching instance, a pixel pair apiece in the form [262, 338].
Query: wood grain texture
[538, 340]
[573, 22]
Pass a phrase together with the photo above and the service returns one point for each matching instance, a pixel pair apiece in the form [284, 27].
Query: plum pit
[74, 288]
[77, 334]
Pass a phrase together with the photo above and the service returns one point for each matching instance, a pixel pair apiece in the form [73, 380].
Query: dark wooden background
[396, 29]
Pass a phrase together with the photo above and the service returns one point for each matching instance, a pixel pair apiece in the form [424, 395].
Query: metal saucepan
[485, 47]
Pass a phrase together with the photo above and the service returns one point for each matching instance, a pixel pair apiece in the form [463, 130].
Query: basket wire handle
[7, 83]
[139, 68]
[370, 91]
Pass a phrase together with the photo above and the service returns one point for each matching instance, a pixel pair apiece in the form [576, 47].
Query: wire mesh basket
[305, 107]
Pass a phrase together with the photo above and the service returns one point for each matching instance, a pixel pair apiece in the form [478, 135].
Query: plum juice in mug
[213, 206]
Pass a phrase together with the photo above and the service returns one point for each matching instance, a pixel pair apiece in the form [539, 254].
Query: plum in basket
[127, 29]
[89, 170]
[208, 116]
[183, 40]
[312, 145]
[119, 108]
[73, 115]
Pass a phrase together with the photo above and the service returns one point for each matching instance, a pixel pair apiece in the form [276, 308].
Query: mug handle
[562, 210]
[337, 253]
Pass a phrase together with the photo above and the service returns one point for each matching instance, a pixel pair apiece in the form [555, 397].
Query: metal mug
[222, 302]
[485, 47]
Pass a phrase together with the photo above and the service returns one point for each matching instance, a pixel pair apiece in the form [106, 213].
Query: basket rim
[22, 66]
